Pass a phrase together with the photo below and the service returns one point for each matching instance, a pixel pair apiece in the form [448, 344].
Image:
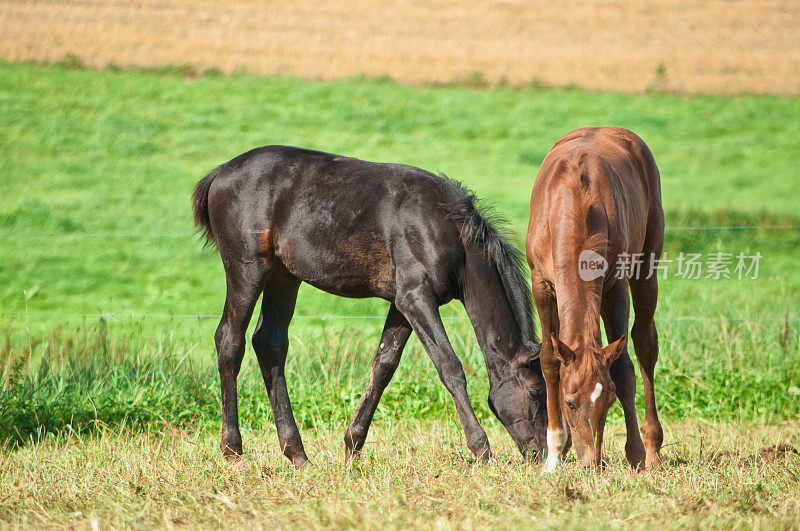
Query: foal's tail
[200, 206]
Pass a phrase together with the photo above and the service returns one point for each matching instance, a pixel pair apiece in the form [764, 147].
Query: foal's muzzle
[533, 453]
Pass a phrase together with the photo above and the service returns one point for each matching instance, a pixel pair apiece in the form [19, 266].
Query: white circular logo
[591, 265]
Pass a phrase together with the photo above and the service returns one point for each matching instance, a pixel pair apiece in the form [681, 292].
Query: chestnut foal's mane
[591, 236]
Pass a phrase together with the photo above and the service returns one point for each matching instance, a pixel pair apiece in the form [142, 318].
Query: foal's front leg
[419, 306]
[557, 434]
[396, 332]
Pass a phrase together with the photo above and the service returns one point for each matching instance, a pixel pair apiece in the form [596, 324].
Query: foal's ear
[527, 358]
[612, 351]
[564, 353]
[528, 371]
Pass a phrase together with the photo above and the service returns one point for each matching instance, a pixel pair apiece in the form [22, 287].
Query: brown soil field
[718, 46]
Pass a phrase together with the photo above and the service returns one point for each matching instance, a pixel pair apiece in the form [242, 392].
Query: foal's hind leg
[615, 309]
[271, 343]
[419, 306]
[395, 334]
[245, 281]
[645, 341]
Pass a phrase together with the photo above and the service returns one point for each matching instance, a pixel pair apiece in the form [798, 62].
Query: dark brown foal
[596, 230]
[281, 216]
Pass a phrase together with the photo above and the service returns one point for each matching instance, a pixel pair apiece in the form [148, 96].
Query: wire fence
[334, 317]
[325, 317]
[189, 235]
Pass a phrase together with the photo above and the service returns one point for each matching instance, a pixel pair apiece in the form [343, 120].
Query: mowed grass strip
[411, 473]
[713, 46]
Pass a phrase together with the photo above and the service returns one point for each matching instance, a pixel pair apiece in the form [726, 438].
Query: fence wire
[189, 235]
[325, 317]
[333, 317]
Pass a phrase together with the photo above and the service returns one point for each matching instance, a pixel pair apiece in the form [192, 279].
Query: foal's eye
[571, 404]
[536, 392]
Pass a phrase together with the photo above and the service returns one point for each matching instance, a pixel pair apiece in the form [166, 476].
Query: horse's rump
[604, 184]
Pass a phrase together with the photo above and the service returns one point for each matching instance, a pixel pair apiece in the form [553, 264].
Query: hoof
[485, 457]
[233, 458]
[635, 455]
[637, 463]
[232, 455]
[231, 449]
[550, 466]
[653, 461]
[533, 456]
[351, 456]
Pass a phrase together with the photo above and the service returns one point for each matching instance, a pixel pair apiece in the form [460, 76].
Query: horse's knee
[550, 370]
[622, 369]
[452, 375]
[230, 351]
[645, 342]
[220, 333]
[406, 301]
[385, 364]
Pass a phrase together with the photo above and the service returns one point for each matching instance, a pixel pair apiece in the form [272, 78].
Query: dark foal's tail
[200, 206]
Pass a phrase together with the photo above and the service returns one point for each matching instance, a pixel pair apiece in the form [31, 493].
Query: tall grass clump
[85, 381]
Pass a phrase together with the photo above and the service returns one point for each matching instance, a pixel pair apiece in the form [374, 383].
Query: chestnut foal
[596, 208]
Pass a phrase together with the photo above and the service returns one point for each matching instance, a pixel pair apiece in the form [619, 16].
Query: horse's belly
[353, 279]
[352, 290]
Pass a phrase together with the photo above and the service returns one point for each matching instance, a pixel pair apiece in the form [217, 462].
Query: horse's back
[605, 175]
[337, 223]
[617, 153]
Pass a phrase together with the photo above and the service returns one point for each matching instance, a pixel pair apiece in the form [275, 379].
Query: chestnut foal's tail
[200, 206]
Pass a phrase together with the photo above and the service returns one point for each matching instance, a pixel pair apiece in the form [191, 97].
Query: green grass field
[96, 169]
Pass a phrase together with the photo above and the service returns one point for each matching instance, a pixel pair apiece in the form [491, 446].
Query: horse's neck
[490, 311]
[578, 300]
[578, 304]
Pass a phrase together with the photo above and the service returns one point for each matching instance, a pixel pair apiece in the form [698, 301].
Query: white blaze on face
[598, 388]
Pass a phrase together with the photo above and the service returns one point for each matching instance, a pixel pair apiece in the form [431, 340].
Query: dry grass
[411, 475]
[719, 46]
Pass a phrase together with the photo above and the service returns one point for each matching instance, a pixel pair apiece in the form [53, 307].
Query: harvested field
[717, 46]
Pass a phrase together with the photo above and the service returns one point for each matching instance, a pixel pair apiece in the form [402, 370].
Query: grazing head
[587, 393]
[498, 301]
[519, 401]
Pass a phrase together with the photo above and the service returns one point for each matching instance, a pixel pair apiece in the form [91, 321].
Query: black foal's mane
[480, 224]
